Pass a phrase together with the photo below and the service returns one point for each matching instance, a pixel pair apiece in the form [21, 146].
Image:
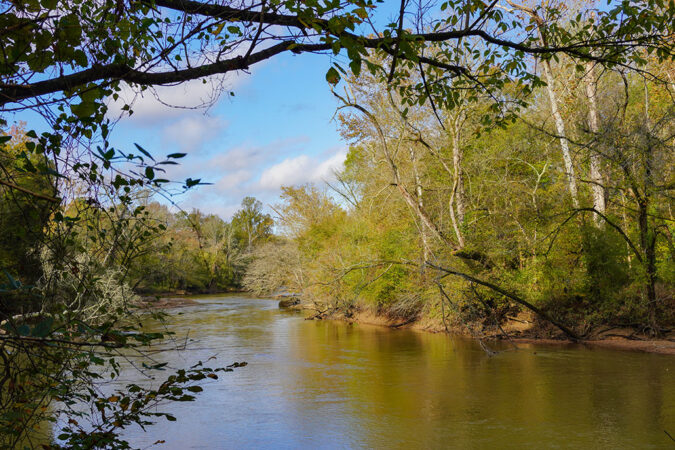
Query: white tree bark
[420, 203]
[553, 100]
[597, 180]
[457, 197]
[560, 128]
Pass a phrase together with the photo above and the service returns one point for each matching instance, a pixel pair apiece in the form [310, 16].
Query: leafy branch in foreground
[134, 405]
[67, 313]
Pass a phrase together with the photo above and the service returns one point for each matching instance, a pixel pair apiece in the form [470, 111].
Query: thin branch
[398, 41]
[29, 192]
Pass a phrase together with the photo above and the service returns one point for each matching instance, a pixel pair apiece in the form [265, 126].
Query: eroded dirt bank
[524, 330]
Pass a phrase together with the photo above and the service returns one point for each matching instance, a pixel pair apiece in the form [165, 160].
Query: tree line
[564, 212]
[503, 156]
[200, 253]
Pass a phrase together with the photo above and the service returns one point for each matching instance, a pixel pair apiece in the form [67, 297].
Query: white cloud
[252, 158]
[205, 201]
[242, 157]
[161, 103]
[245, 170]
[327, 169]
[189, 133]
[290, 171]
[300, 170]
[233, 181]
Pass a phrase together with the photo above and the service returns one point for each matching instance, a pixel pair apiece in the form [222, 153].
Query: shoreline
[519, 331]
[146, 302]
[623, 339]
[176, 299]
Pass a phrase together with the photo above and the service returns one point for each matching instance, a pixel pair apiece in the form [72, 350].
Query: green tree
[251, 224]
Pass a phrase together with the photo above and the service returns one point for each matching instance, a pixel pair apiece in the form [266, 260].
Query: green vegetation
[199, 253]
[433, 211]
[459, 199]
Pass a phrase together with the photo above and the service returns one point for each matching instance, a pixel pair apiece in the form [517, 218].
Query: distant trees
[250, 223]
[275, 265]
[199, 252]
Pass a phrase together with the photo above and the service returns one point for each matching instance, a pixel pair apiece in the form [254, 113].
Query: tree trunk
[457, 157]
[648, 244]
[560, 127]
[420, 203]
[647, 235]
[557, 117]
[597, 180]
[458, 196]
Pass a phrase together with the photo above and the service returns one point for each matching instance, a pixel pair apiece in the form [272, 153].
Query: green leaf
[176, 155]
[190, 182]
[43, 328]
[149, 173]
[4, 139]
[145, 152]
[84, 109]
[12, 282]
[332, 76]
[355, 65]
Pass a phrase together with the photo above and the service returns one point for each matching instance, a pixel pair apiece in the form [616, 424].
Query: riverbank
[164, 302]
[524, 330]
[174, 299]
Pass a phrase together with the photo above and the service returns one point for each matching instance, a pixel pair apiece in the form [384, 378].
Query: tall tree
[251, 223]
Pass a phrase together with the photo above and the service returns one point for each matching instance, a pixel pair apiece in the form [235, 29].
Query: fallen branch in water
[571, 334]
[567, 331]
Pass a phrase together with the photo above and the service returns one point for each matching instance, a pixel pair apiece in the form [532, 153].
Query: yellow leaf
[218, 29]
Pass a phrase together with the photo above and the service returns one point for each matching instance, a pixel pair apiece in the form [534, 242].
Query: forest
[567, 208]
[508, 163]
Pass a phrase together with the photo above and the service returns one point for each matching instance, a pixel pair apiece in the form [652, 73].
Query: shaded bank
[522, 329]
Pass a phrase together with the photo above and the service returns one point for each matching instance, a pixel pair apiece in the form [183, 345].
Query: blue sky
[276, 130]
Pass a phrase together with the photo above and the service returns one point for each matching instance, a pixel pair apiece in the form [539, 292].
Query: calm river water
[314, 384]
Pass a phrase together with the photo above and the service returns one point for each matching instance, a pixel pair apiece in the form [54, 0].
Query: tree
[67, 60]
[276, 265]
[536, 248]
[251, 224]
[26, 202]
[65, 51]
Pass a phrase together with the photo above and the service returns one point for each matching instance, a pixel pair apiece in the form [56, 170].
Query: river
[325, 384]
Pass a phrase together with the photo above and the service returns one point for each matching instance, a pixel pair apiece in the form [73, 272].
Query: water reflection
[334, 385]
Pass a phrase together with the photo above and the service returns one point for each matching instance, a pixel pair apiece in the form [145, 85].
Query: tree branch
[29, 192]
[15, 93]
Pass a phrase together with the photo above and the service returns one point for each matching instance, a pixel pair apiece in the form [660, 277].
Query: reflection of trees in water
[314, 383]
[431, 390]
